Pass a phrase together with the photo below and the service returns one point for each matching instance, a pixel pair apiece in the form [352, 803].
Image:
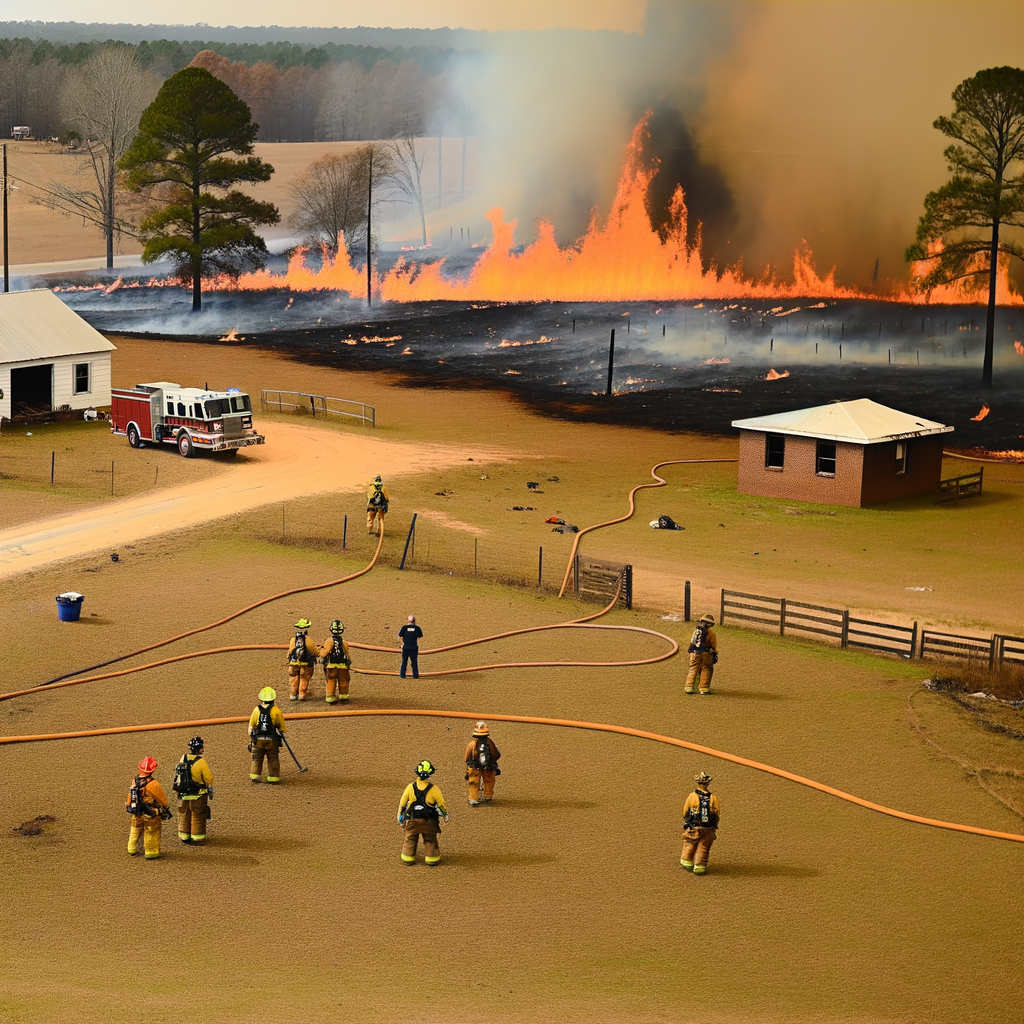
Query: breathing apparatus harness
[483, 759]
[377, 499]
[184, 784]
[137, 803]
[703, 816]
[337, 656]
[300, 653]
[265, 728]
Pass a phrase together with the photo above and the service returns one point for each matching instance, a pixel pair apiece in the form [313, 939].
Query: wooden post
[412, 526]
[7, 268]
[344, 535]
[913, 642]
[686, 601]
[782, 616]
[721, 614]
[992, 645]
[611, 363]
[844, 638]
[627, 572]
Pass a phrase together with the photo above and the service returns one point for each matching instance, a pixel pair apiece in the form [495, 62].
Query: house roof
[859, 422]
[35, 324]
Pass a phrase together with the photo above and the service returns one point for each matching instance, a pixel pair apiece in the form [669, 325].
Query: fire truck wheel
[185, 446]
[133, 436]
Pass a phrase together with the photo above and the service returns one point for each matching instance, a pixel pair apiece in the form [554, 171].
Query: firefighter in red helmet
[147, 804]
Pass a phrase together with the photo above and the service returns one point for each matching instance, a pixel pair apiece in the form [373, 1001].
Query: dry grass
[1004, 681]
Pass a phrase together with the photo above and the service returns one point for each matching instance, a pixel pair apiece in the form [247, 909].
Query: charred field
[678, 366]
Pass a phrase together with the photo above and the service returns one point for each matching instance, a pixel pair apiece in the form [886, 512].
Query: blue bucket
[69, 606]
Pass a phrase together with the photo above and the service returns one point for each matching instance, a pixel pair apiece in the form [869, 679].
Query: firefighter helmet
[147, 766]
[337, 627]
[268, 695]
[708, 618]
[702, 779]
[303, 624]
[376, 479]
[480, 729]
[195, 745]
[425, 769]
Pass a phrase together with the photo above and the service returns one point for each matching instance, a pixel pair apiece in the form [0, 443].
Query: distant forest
[299, 93]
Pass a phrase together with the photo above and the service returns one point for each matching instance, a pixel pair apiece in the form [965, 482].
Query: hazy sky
[479, 14]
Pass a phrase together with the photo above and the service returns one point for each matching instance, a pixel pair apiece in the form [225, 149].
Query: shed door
[31, 390]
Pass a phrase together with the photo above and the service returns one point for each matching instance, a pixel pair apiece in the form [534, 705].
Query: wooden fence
[600, 579]
[957, 487]
[317, 405]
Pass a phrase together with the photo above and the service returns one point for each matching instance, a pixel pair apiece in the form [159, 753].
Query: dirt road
[296, 460]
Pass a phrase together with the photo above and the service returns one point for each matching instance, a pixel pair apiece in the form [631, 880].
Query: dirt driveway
[296, 460]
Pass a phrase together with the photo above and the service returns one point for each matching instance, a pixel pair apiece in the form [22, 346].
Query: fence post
[992, 651]
[721, 616]
[686, 601]
[344, 534]
[628, 573]
[312, 405]
[913, 641]
[782, 616]
[412, 526]
[844, 639]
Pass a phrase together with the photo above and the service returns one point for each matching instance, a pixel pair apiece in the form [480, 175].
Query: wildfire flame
[713, 361]
[774, 374]
[232, 335]
[1019, 347]
[982, 413]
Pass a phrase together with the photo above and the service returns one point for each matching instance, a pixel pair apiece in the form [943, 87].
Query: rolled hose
[531, 720]
[659, 482]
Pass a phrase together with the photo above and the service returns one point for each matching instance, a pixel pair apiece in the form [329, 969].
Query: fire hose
[530, 720]
[659, 482]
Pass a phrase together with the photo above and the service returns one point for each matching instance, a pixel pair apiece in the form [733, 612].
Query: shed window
[181, 408]
[901, 457]
[774, 450]
[825, 462]
[81, 378]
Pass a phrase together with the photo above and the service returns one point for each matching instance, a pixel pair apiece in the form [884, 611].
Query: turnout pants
[299, 676]
[410, 654]
[476, 776]
[696, 847]
[193, 812]
[271, 750]
[149, 829]
[429, 830]
[371, 515]
[336, 687]
[702, 668]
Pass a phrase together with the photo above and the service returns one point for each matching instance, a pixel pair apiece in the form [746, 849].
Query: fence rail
[957, 487]
[956, 645]
[322, 405]
[886, 637]
[1008, 649]
[600, 579]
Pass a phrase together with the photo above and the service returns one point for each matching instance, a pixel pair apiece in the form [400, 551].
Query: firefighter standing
[420, 812]
[481, 764]
[266, 727]
[336, 664]
[700, 825]
[703, 651]
[377, 499]
[194, 785]
[147, 804]
[302, 655]
[410, 635]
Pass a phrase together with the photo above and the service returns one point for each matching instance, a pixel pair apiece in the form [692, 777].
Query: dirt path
[296, 460]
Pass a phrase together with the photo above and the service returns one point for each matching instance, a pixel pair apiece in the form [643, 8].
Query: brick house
[845, 453]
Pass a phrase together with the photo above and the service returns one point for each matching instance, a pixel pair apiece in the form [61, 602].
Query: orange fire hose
[529, 720]
[659, 482]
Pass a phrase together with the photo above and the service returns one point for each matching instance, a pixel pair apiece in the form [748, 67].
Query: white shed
[50, 358]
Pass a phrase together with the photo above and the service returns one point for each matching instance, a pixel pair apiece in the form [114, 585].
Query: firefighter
[302, 656]
[337, 663]
[703, 651]
[420, 812]
[481, 764]
[147, 804]
[410, 635]
[377, 499]
[194, 785]
[700, 825]
[266, 727]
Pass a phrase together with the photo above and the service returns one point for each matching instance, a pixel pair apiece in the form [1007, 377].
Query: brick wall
[797, 479]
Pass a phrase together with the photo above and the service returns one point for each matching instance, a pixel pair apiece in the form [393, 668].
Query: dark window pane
[775, 450]
[826, 460]
[81, 378]
[181, 408]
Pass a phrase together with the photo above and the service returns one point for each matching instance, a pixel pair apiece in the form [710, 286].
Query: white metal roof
[35, 324]
[860, 422]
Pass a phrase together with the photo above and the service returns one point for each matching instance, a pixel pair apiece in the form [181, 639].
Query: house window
[81, 378]
[774, 451]
[825, 461]
[901, 457]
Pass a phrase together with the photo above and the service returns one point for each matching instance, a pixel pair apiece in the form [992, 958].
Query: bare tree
[330, 199]
[408, 176]
[102, 101]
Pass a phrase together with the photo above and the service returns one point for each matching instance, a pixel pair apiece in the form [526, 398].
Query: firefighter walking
[700, 825]
[377, 500]
[337, 663]
[703, 651]
[420, 812]
[147, 804]
[266, 727]
[193, 783]
[481, 764]
[302, 658]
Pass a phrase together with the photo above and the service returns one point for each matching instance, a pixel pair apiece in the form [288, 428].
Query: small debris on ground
[553, 480]
[521, 508]
[566, 528]
[532, 485]
[483, 476]
[35, 826]
[557, 520]
[114, 557]
[446, 493]
[665, 523]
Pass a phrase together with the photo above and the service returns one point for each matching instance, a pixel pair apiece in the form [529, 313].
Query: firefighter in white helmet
[703, 651]
[377, 500]
[700, 825]
[302, 657]
[337, 663]
[481, 764]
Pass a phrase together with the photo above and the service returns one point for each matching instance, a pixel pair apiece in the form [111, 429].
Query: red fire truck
[194, 419]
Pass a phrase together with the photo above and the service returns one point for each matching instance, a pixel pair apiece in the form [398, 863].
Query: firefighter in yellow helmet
[481, 764]
[302, 657]
[420, 812]
[337, 663]
[193, 783]
[700, 825]
[147, 804]
[377, 499]
[266, 727]
[703, 651]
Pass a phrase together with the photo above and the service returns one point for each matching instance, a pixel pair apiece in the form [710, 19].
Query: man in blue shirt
[410, 634]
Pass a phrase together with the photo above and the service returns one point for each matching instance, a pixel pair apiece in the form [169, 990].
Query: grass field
[564, 900]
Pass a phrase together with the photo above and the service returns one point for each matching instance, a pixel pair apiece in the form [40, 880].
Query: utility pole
[7, 269]
[611, 363]
[369, 227]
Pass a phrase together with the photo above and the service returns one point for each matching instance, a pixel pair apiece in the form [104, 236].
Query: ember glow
[982, 413]
[774, 374]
